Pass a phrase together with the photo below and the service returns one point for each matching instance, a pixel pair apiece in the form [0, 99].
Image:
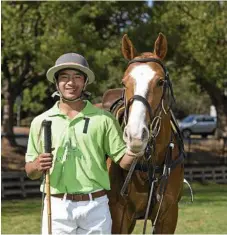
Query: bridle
[153, 116]
[155, 120]
[154, 128]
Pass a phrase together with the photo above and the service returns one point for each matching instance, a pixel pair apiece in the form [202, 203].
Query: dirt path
[206, 151]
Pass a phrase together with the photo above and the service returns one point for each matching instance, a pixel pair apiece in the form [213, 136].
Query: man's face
[71, 83]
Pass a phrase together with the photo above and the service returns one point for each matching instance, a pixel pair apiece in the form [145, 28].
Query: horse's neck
[163, 138]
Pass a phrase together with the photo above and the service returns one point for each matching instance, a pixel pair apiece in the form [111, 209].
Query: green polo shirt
[80, 148]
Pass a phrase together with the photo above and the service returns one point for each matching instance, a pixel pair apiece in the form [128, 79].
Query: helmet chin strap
[69, 100]
[58, 92]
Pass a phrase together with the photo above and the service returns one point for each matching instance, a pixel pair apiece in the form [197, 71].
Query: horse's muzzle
[138, 142]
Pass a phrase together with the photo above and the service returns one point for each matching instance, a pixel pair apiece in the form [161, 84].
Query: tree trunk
[221, 108]
[8, 115]
[220, 102]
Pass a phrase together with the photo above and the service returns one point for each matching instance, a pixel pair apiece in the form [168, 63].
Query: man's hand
[133, 154]
[128, 158]
[43, 162]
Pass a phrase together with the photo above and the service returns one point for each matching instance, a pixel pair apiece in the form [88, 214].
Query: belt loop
[90, 197]
[64, 197]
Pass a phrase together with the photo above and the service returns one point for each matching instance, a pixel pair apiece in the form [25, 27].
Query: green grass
[208, 213]
[21, 216]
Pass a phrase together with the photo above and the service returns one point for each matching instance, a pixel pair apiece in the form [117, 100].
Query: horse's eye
[160, 82]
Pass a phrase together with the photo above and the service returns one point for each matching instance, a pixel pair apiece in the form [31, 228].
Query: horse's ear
[127, 48]
[160, 46]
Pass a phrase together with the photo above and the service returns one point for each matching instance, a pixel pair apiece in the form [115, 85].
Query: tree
[19, 46]
[34, 34]
[97, 29]
[24, 39]
[197, 34]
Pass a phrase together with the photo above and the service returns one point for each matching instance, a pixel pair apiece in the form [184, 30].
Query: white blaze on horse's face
[136, 132]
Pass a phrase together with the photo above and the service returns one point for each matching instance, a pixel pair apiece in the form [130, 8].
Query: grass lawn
[21, 216]
[208, 213]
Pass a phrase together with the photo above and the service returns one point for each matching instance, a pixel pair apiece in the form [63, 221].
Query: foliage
[189, 97]
[48, 29]
[197, 45]
[37, 93]
[34, 34]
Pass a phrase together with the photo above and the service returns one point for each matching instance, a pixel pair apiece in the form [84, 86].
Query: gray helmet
[71, 61]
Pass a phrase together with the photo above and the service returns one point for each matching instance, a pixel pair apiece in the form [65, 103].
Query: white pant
[84, 217]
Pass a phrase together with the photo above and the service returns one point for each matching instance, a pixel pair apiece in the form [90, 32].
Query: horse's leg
[122, 219]
[167, 218]
[121, 213]
[131, 228]
[167, 225]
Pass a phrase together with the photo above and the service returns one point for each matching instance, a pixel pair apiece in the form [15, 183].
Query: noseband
[141, 99]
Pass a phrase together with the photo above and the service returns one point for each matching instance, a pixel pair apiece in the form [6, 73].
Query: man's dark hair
[58, 72]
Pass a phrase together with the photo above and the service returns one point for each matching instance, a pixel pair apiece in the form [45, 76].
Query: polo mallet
[47, 147]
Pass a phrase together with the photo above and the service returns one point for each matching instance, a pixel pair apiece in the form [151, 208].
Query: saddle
[113, 101]
[111, 96]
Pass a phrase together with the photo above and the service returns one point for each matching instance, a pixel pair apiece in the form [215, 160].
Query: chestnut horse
[152, 187]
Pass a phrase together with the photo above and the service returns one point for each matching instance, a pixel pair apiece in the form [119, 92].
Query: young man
[82, 136]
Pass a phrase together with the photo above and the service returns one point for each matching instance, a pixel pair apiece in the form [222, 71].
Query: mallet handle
[47, 147]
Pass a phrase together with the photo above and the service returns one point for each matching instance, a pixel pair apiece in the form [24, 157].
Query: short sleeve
[34, 142]
[114, 144]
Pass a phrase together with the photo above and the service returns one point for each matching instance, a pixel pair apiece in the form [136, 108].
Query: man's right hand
[43, 162]
[39, 166]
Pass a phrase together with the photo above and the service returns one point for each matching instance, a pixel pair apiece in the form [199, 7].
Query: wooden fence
[18, 184]
[216, 174]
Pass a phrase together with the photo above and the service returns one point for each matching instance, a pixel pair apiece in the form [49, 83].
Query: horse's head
[145, 83]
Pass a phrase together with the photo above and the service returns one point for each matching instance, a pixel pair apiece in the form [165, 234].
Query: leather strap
[81, 197]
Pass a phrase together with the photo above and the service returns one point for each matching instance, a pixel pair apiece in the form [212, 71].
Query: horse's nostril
[144, 133]
[127, 136]
[125, 133]
[130, 138]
